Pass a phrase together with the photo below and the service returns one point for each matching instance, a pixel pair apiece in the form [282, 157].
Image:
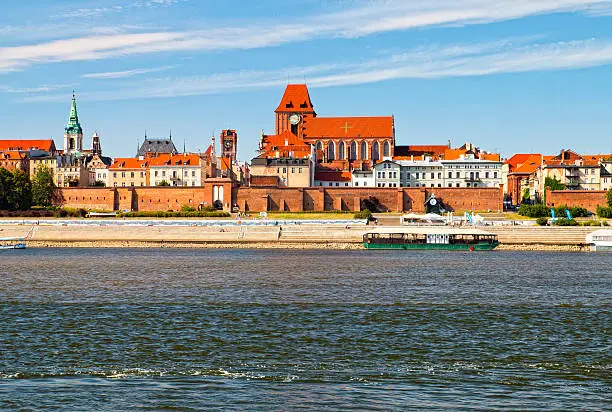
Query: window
[193, 173]
[346, 184]
[300, 170]
[278, 170]
[364, 151]
[486, 175]
[132, 184]
[450, 185]
[337, 184]
[122, 174]
[439, 184]
[450, 175]
[163, 173]
[365, 184]
[142, 174]
[376, 151]
[353, 151]
[331, 152]
[458, 175]
[186, 173]
[386, 149]
[356, 184]
[341, 151]
[416, 175]
[383, 175]
[132, 175]
[192, 183]
[293, 170]
[156, 173]
[123, 184]
[495, 175]
[457, 185]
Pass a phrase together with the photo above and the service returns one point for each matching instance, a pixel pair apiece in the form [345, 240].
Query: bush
[364, 214]
[542, 221]
[187, 208]
[566, 222]
[533, 211]
[604, 212]
[576, 211]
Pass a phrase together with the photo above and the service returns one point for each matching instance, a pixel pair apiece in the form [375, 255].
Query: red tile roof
[420, 150]
[175, 160]
[295, 99]
[528, 165]
[41, 144]
[129, 163]
[286, 144]
[333, 176]
[12, 155]
[348, 127]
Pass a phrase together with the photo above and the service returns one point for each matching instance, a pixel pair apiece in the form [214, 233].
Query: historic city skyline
[528, 77]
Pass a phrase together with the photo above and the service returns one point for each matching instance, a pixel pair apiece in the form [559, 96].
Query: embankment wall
[589, 199]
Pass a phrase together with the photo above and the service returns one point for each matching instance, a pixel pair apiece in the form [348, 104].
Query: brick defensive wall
[278, 199]
[589, 199]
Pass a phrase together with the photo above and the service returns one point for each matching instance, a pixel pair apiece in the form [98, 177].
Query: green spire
[73, 126]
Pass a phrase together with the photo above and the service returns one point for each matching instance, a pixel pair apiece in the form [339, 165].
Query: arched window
[319, 146]
[364, 151]
[331, 152]
[353, 151]
[376, 152]
[341, 151]
[386, 149]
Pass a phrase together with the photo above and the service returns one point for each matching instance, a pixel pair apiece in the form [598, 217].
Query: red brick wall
[272, 199]
[472, 199]
[589, 199]
[87, 198]
[143, 198]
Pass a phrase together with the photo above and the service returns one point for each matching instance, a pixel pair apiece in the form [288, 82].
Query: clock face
[295, 118]
[228, 144]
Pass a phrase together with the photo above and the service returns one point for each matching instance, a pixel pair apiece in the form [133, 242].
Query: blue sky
[507, 75]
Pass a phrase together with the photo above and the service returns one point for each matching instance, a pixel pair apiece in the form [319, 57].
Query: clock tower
[294, 110]
[229, 145]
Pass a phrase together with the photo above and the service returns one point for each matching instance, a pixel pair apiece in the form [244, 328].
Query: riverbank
[269, 245]
[282, 236]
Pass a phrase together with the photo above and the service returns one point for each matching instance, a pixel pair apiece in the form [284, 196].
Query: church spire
[73, 125]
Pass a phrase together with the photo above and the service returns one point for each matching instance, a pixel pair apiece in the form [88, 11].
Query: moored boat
[12, 243]
[430, 238]
[600, 240]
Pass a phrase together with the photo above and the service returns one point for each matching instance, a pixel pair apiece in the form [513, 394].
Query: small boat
[600, 240]
[12, 243]
[430, 238]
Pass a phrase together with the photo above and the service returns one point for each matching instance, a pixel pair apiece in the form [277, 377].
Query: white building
[471, 172]
[176, 170]
[363, 178]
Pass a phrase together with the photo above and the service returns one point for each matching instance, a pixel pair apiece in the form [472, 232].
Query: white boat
[12, 243]
[600, 240]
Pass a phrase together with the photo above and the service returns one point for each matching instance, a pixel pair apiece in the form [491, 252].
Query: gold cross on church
[346, 127]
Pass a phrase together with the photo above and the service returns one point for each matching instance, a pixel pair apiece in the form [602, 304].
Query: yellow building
[127, 172]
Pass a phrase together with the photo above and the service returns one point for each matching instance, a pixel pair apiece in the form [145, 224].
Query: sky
[511, 76]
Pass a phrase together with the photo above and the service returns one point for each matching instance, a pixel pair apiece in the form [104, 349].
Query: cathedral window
[341, 150]
[376, 152]
[353, 151]
[386, 149]
[364, 151]
[331, 155]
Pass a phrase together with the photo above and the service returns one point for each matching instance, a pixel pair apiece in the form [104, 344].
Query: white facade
[176, 175]
[363, 178]
[470, 172]
[99, 175]
[465, 172]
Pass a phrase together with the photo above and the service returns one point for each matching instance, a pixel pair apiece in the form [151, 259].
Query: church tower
[229, 145]
[96, 147]
[73, 133]
[294, 110]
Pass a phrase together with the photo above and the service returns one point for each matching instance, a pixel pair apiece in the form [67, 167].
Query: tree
[20, 197]
[609, 197]
[98, 183]
[526, 195]
[554, 184]
[6, 181]
[43, 187]
[163, 183]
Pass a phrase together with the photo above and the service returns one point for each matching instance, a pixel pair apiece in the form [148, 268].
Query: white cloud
[506, 56]
[125, 73]
[366, 19]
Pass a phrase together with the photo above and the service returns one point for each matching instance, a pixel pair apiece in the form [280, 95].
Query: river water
[117, 329]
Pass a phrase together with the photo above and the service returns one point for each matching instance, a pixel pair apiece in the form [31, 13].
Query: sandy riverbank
[302, 236]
